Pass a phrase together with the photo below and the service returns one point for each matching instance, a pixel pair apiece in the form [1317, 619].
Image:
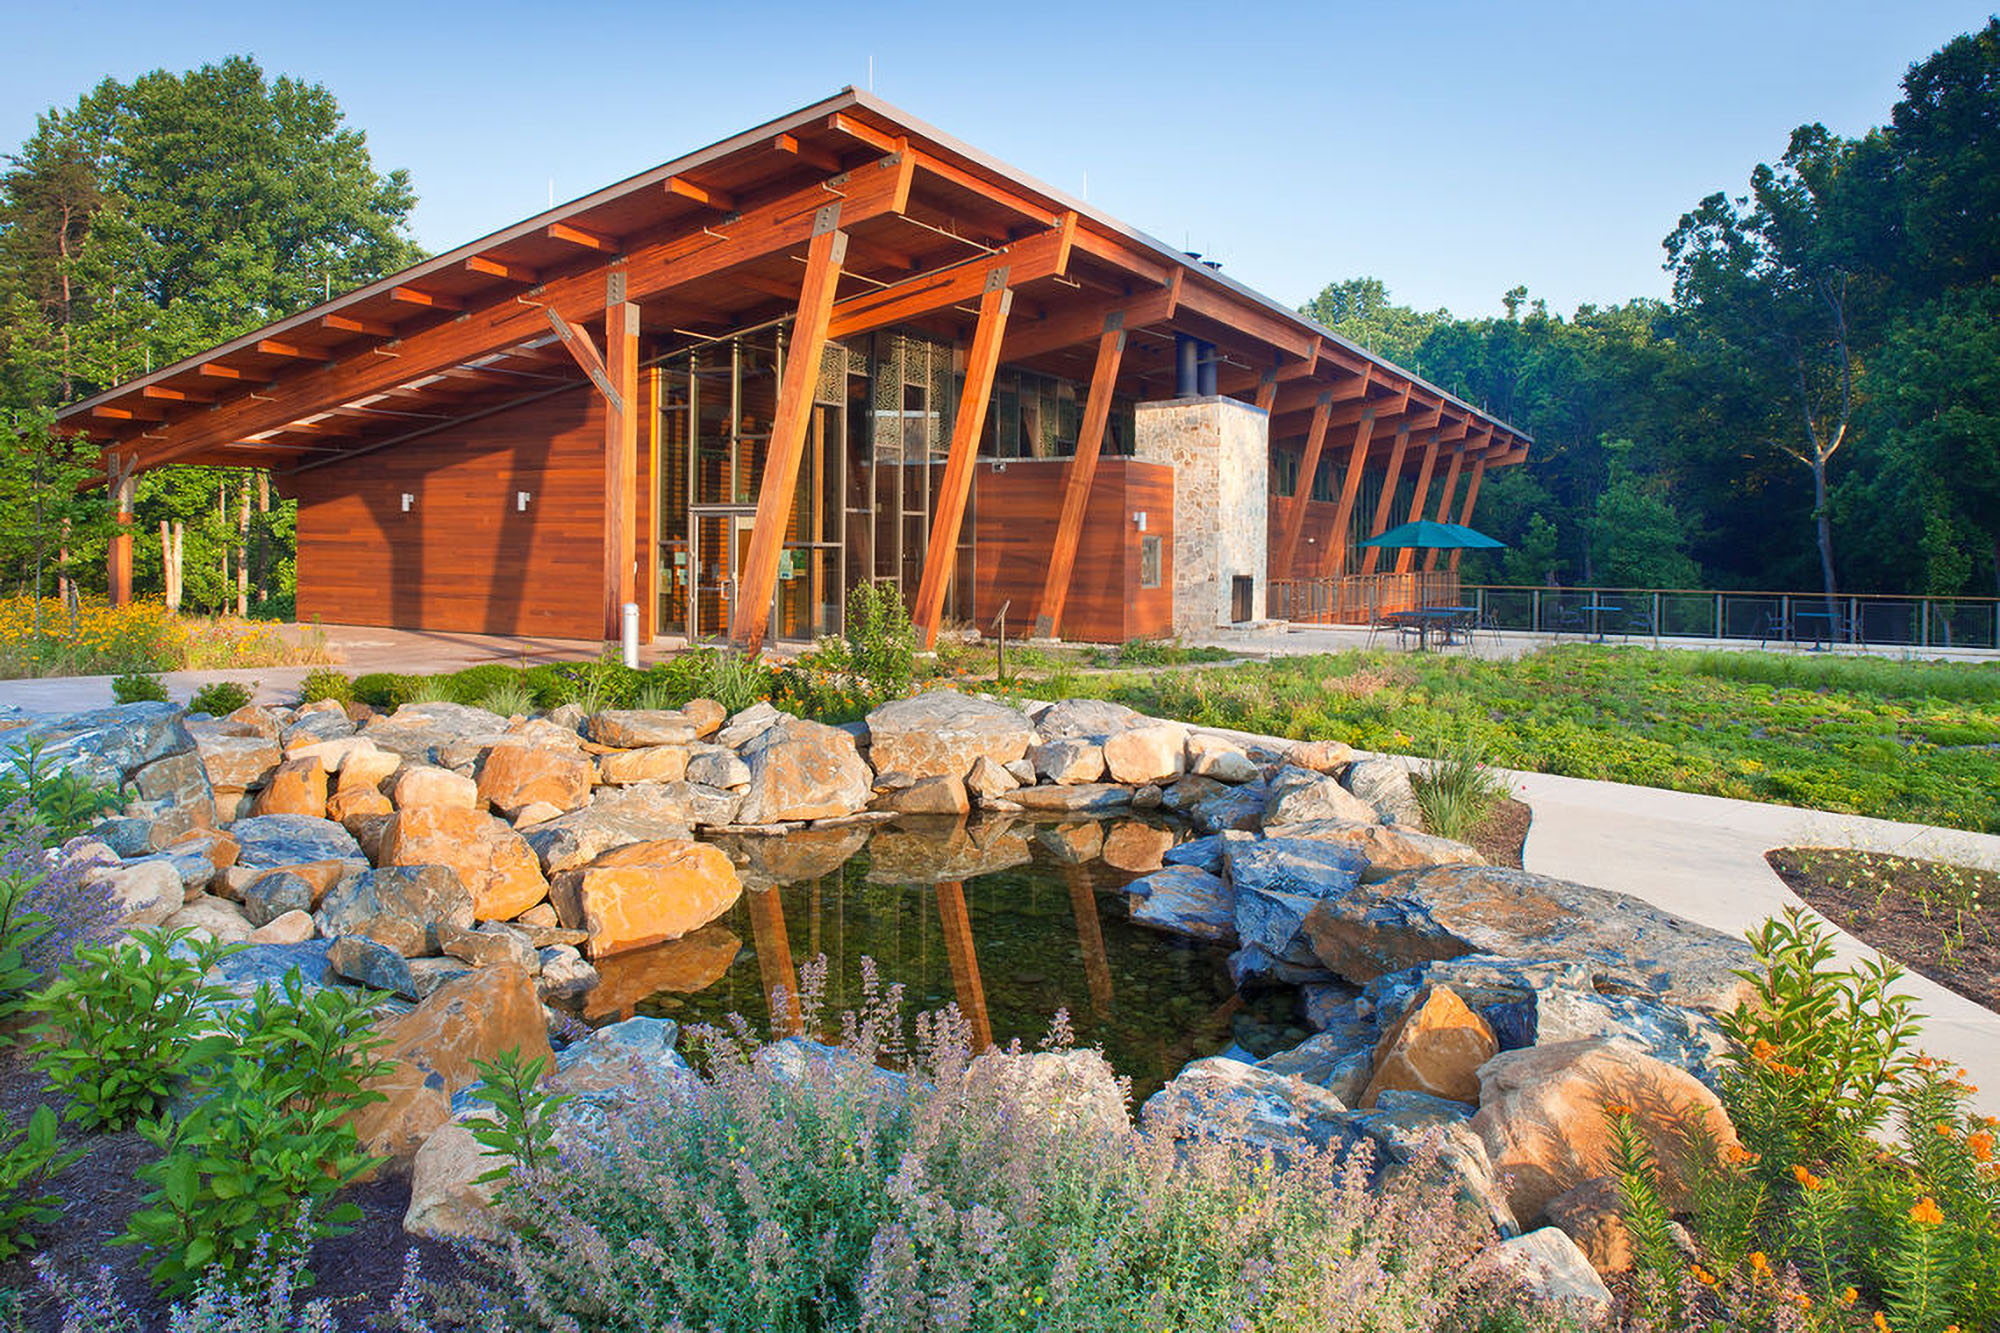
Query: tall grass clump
[1457, 791]
[806, 1187]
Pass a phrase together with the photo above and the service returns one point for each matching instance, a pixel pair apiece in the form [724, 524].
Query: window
[1149, 562]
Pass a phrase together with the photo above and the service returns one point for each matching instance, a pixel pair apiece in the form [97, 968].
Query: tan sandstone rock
[1593, 1215]
[1542, 1116]
[492, 861]
[655, 763]
[297, 787]
[447, 1200]
[421, 786]
[357, 802]
[646, 893]
[1436, 1048]
[517, 774]
[1152, 753]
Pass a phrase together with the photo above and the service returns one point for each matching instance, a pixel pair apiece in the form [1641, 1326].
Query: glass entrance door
[721, 543]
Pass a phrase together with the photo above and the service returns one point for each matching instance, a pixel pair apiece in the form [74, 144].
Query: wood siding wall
[1016, 506]
[464, 558]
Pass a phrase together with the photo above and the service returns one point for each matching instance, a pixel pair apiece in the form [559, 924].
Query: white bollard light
[629, 637]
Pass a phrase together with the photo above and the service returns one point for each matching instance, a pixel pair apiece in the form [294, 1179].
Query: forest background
[1816, 407]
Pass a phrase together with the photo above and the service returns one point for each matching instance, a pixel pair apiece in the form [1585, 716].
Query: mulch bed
[1903, 907]
[359, 1271]
[1503, 833]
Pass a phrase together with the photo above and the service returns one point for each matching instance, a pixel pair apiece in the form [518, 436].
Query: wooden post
[1408, 555]
[243, 550]
[1444, 503]
[621, 459]
[263, 536]
[1079, 475]
[1350, 486]
[1380, 523]
[1471, 494]
[123, 476]
[980, 364]
[757, 582]
[1295, 513]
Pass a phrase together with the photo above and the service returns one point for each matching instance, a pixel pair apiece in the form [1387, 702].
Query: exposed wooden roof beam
[215, 370]
[429, 300]
[1040, 256]
[161, 393]
[813, 157]
[589, 240]
[683, 188]
[293, 351]
[134, 411]
[842, 123]
[374, 328]
[494, 268]
[1078, 325]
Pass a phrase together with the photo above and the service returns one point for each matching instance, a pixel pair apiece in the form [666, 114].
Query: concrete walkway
[1702, 857]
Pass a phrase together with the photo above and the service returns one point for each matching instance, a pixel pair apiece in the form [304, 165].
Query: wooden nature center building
[837, 348]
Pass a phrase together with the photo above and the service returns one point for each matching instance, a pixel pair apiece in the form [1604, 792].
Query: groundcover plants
[51, 639]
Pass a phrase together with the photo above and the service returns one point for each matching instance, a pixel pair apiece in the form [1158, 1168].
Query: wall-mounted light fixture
[521, 499]
[1140, 519]
[409, 501]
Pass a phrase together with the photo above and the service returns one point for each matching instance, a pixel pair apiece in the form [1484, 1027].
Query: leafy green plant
[509, 698]
[121, 1023]
[326, 683]
[1457, 791]
[382, 689]
[65, 802]
[1816, 1053]
[269, 1141]
[21, 929]
[877, 645]
[28, 1158]
[220, 698]
[1656, 1260]
[138, 687]
[427, 690]
[525, 1131]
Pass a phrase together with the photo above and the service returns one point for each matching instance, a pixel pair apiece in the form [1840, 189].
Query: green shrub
[267, 1141]
[220, 698]
[138, 687]
[525, 1131]
[64, 803]
[475, 683]
[1457, 791]
[382, 689]
[21, 930]
[27, 1159]
[326, 683]
[878, 645]
[121, 1023]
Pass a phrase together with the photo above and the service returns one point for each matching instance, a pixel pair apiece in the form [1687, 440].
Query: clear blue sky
[1451, 149]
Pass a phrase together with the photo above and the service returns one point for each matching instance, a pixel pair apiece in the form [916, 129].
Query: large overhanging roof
[712, 241]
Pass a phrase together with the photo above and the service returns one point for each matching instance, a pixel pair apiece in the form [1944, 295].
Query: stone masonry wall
[1219, 449]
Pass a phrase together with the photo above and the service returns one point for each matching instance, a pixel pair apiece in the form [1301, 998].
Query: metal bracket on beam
[826, 219]
[614, 287]
[996, 278]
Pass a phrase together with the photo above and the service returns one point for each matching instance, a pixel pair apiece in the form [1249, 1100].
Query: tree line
[1817, 406]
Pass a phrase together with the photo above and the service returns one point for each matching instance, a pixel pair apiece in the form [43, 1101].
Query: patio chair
[1774, 627]
[1568, 618]
[1639, 621]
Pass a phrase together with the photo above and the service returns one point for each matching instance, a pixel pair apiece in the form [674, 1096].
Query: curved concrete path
[1702, 857]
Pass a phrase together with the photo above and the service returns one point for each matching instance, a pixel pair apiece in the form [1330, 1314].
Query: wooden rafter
[653, 269]
[981, 363]
[373, 328]
[789, 145]
[291, 350]
[589, 240]
[494, 268]
[1406, 557]
[1078, 476]
[1379, 522]
[758, 581]
[1471, 495]
[1071, 328]
[428, 300]
[163, 394]
[1042, 256]
[1350, 487]
[1445, 497]
[683, 188]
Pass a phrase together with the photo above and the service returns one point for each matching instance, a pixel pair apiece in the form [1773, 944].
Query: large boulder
[268, 841]
[1390, 848]
[618, 817]
[1548, 1265]
[146, 893]
[518, 774]
[1089, 796]
[373, 964]
[941, 733]
[235, 762]
[1068, 761]
[1443, 912]
[1543, 1116]
[1229, 1099]
[1408, 1125]
[429, 787]
[1435, 1049]
[654, 763]
[448, 1199]
[1280, 865]
[804, 770]
[1299, 795]
[424, 733]
[491, 860]
[109, 745]
[645, 894]
[638, 728]
[175, 793]
[1156, 752]
[1185, 901]
[399, 906]
[1087, 719]
[1385, 785]
[295, 787]
[927, 796]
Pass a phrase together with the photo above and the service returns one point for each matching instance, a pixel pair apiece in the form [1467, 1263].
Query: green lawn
[1899, 740]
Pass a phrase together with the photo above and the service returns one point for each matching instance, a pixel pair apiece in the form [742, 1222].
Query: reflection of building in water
[964, 956]
[774, 960]
[1090, 938]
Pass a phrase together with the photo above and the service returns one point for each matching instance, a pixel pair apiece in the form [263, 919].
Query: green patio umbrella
[1428, 534]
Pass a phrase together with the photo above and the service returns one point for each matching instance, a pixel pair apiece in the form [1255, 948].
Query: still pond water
[1010, 920]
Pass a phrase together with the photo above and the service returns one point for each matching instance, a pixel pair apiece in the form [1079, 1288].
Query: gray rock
[485, 945]
[636, 728]
[1068, 761]
[191, 862]
[1022, 771]
[803, 770]
[1269, 920]
[422, 733]
[1204, 853]
[127, 837]
[1550, 1267]
[1255, 964]
[1390, 848]
[1091, 796]
[427, 974]
[1185, 901]
[746, 726]
[109, 745]
[1282, 865]
[622, 816]
[289, 840]
[718, 768]
[1298, 795]
[1385, 785]
[1213, 806]
[234, 761]
[361, 959]
[1424, 915]
[270, 896]
[397, 906]
[317, 726]
[564, 975]
[1230, 1099]
[268, 964]
[941, 732]
[1687, 1038]
[1087, 719]
[177, 783]
[1406, 1124]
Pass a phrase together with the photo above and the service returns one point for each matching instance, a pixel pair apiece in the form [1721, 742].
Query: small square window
[1149, 562]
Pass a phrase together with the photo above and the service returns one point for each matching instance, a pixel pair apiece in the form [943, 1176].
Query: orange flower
[1763, 1050]
[1881, 1324]
[1980, 1145]
[1942, 1131]
[1740, 1155]
[1807, 1180]
[1617, 1108]
[1849, 1296]
[1759, 1263]
[1702, 1275]
[1926, 1212]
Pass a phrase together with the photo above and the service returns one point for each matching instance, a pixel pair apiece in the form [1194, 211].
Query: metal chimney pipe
[1205, 380]
[1187, 366]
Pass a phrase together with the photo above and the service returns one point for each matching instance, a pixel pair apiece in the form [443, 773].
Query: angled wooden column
[1380, 523]
[757, 581]
[1408, 555]
[121, 474]
[1471, 494]
[980, 364]
[1445, 497]
[1295, 512]
[1079, 475]
[1267, 391]
[1350, 487]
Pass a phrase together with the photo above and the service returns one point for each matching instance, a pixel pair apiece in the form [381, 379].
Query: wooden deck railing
[1360, 598]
